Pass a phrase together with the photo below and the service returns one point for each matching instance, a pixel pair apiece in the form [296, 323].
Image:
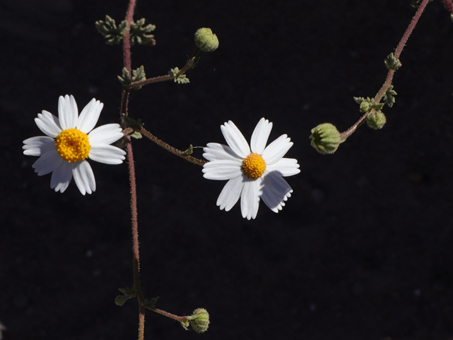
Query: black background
[363, 249]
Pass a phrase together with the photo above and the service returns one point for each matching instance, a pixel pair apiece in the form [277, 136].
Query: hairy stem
[132, 181]
[391, 73]
[168, 315]
[170, 148]
[187, 66]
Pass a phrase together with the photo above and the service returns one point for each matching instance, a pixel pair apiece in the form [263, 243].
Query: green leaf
[150, 303]
[391, 62]
[139, 33]
[137, 75]
[112, 33]
[389, 97]
[189, 151]
[132, 123]
[178, 78]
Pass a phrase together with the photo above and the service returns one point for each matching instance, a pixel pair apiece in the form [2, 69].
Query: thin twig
[170, 148]
[132, 180]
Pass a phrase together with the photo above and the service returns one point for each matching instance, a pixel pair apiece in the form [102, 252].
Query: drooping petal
[84, 177]
[260, 136]
[89, 116]
[250, 198]
[67, 112]
[107, 154]
[48, 124]
[221, 170]
[273, 201]
[277, 149]
[216, 152]
[37, 146]
[275, 190]
[105, 134]
[230, 193]
[235, 139]
[285, 166]
[61, 177]
[47, 163]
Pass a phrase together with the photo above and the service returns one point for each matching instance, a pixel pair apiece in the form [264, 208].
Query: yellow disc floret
[253, 166]
[73, 145]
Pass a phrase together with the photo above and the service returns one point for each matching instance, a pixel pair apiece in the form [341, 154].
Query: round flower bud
[199, 320]
[325, 138]
[205, 40]
[376, 120]
[364, 106]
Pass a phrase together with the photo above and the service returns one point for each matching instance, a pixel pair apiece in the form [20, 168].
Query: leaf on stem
[112, 33]
[389, 97]
[137, 75]
[392, 63]
[139, 33]
[177, 77]
[189, 151]
[150, 303]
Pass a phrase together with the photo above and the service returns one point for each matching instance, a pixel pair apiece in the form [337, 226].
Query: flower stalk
[391, 73]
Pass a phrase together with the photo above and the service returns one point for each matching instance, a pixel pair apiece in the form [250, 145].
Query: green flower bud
[199, 320]
[376, 120]
[205, 40]
[364, 106]
[325, 138]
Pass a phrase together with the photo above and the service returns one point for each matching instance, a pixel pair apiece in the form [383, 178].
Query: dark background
[363, 249]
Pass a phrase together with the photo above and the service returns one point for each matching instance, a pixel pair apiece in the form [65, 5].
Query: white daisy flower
[69, 141]
[253, 172]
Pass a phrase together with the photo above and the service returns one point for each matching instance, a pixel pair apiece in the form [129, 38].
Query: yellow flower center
[73, 145]
[253, 166]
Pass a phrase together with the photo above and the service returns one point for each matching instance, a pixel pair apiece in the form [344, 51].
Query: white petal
[230, 193]
[235, 139]
[89, 116]
[260, 136]
[105, 134]
[272, 200]
[67, 112]
[48, 123]
[222, 170]
[107, 154]
[250, 198]
[217, 152]
[37, 146]
[285, 166]
[84, 177]
[275, 191]
[47, 163]
[61, 177]
[277, 149]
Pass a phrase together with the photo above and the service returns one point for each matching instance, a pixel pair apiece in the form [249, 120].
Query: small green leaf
[136, 135]
[120, 300]
[137, 75]
[389, 97]
[132, 123]
[139, 33]
[112, 33]
[150, 303]
[377, 106]
[178, 78]
[391, 62]
[189, 151]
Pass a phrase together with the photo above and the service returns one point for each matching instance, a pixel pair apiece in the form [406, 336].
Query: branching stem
[170, 148]
[391, 73]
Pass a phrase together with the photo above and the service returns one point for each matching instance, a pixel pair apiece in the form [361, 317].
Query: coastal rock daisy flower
[69, 141]
[253, 172]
